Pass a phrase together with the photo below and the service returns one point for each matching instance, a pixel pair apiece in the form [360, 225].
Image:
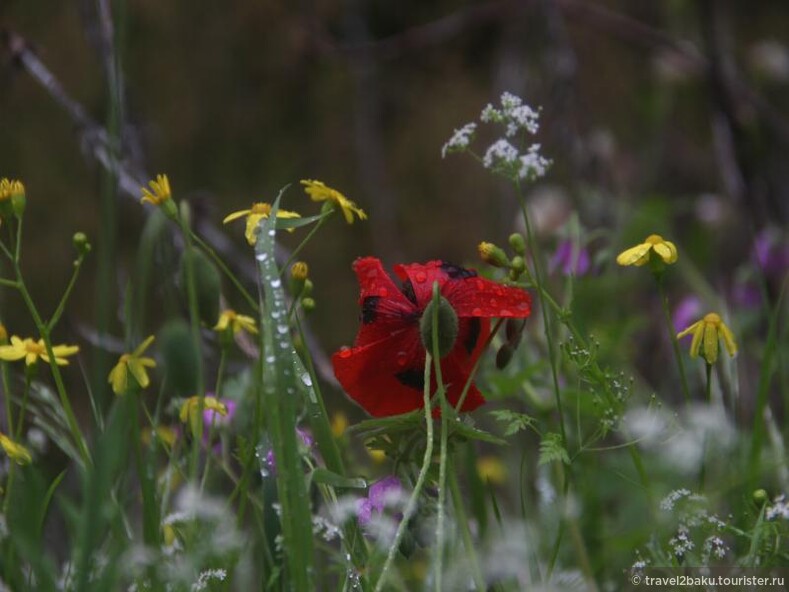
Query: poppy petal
[418, 278]
[382, 378]
[478, 297]
[384, 308]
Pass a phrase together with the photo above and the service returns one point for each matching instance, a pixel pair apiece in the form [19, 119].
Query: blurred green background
[659, 116]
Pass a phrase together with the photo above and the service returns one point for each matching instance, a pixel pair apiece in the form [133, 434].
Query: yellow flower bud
[492, 255]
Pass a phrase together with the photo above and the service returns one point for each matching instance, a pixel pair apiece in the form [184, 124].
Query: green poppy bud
[208, 285]
[307, 304]
[760, 497]
[447, 327]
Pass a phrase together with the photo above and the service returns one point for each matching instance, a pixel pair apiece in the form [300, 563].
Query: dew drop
[476, 312]
[383, 292]
[505, 313]
[272, 232]
[271, 359]
[493, 302]
[480, 285]
[372, 274]
[261, 256]
[306, 379]
[402, 358]
[282, 329]
[276, 283]
[420, 277]
[345, 351]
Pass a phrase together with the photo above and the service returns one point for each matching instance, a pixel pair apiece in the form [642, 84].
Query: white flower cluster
[514, 114]
[502, 157]
[779, 509]
[714, 546]
[681, 544]
[460, 140]
[667, 503]
[218, 575]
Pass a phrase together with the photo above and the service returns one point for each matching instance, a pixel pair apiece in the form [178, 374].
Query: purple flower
[569, 260]
[211, 417]
[687, 312]
[771, 252]
[381, 494]
[746, 296]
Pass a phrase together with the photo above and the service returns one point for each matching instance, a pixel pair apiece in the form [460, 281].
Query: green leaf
[552, 449]
[279, 387]
[288, 223]
[327, 477]
[513, 421]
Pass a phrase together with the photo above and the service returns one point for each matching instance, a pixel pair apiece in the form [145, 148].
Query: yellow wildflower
[33, 350]
[706, 334]
[640, 254]
[299, 271]
[492, 255]
[378, 456]
[319, 191]
[159, 191]
[229, 318]
[16, 452]
[165, 434]
[9, 188]
[134, 365]
[257, 212]
[190, 411]
[339, 423]
[492, 469]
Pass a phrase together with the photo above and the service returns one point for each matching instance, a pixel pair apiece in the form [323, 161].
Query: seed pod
[180, 356]
[517, 243]
[207, 286]
[504, 355]
[447, 327]
[514, 331]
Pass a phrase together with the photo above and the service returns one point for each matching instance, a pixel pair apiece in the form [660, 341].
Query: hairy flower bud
[492, 255]
[447, 326]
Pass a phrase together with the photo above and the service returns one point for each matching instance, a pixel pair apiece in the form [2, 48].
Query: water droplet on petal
[383, 292]
[476, 312]
[523, 306]
[480, 285]
[402, 358]
[493, 302]
[505, 313]
[345, 351]
[420, 277]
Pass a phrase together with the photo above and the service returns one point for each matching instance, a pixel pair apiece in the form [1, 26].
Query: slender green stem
[543, 309]
[442, 467]
[303, 243]
[194, 322]
[220, 373]
[18, 248]
[60, 386]
[420, 481]
[460, 513]
[709, 382]
[7, 396]
[8, 283]
[672, 335]
[226, 270]
[63, 299]
[23, 407]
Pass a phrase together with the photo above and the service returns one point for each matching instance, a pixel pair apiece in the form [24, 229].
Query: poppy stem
[420, 480]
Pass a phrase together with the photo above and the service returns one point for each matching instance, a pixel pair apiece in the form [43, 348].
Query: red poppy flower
[384, 370]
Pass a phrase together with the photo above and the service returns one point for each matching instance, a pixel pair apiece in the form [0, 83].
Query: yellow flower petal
[710, 343]
[235, 216]
[118, 378]
[143, 346]
[665, 253]
[728, 339]
[138, 371]
[16, 452]
[632, 255]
